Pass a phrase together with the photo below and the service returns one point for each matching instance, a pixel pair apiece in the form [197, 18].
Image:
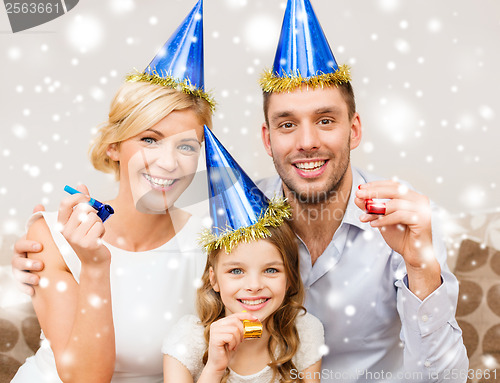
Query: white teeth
[253, 302]
[159, 181]
[308, 166]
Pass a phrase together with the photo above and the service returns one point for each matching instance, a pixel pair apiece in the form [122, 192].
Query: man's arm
[427, 296]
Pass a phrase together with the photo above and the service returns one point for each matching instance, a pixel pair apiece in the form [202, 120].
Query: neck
[132, 230]
[316, 223]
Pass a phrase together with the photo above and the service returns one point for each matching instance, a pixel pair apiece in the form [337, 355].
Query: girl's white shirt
[186, 343]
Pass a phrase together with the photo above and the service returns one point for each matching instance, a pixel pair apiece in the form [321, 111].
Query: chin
[152, 204]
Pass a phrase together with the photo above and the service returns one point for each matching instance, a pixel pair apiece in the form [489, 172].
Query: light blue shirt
[376, 329]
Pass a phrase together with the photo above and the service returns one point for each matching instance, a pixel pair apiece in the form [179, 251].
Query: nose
[254, 282]
[167, 158]
[308, 138]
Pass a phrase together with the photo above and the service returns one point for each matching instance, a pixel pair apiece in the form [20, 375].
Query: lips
[254, 304]
[253, 301]
[311, 168]
[159, 183]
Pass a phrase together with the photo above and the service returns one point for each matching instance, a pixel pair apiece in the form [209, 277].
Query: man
[379, 284]
[369, 278]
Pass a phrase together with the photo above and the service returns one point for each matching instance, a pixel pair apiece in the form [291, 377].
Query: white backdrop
[425, 75]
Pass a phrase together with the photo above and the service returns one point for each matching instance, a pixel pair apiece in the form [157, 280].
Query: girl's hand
[225, 336]
[83, 229]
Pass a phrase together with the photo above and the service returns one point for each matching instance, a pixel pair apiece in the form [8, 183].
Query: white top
[150, 291]
[186, 343]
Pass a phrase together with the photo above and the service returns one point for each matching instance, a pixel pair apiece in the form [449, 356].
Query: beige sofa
[474, 255]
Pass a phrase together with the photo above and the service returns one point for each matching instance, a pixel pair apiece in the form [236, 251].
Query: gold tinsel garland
[184, 86]
[274, 216]
[271, 83]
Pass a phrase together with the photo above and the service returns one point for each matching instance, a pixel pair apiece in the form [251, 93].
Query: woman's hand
[83, 229]
[225, 336]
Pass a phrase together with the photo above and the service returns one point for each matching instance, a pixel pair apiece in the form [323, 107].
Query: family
[153, 295]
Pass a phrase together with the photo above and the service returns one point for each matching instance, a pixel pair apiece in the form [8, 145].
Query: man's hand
[22, 267]
[406, 227]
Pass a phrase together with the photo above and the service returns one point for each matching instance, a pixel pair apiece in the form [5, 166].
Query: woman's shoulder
[56, 253]
[40, 228]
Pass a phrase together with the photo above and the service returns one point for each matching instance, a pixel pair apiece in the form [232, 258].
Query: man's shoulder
[271, 186]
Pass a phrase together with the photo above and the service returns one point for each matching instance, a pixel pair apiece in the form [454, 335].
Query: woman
[109, 292]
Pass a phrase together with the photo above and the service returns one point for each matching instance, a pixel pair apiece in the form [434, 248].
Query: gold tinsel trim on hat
[184, 86]
[274, 216]
[271, 83]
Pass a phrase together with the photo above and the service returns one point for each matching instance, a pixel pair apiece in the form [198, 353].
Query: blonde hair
[284, 339]
[136, 107]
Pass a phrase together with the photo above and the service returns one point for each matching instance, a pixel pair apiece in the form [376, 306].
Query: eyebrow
[328, 109]
[319, 111]
[191, 139]
[155, 131]
[277, 263]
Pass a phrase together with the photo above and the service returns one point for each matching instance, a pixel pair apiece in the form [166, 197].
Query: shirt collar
[353, 212]
[273, 186]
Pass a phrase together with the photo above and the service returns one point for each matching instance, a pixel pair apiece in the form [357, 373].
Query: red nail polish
[372, 207]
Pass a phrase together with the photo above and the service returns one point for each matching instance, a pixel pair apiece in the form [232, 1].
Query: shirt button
[425, 318]
[427, 363]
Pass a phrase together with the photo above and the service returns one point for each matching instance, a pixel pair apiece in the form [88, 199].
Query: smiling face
[252, 278]
[310, 136]
[158, 164]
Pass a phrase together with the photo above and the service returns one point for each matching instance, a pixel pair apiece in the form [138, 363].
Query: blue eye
[187, 148]
[148, 140]
[271, 270]
[236, 271]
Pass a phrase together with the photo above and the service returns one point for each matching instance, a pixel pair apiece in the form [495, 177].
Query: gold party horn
[251, 330]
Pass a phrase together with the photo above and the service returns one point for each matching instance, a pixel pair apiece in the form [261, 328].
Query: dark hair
[345, 89]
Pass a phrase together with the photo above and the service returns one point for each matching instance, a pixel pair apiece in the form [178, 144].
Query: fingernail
[33, 280]
[37, 265]
[36, 247]
[359, 187]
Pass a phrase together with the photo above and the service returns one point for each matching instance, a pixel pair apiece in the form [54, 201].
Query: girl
[252, 273]
[109, 292]
[261, 278]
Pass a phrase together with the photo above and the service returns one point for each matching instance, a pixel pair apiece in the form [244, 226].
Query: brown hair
[345, 89]
[284, 338]
[136, 107]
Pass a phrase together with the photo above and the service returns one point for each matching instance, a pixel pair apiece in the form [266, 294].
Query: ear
[113, 152]
[266, 139]
[356, 131]
[213, 281]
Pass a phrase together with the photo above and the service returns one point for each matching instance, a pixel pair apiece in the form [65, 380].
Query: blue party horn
[103, 210]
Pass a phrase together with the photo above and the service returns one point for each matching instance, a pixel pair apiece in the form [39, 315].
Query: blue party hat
[179, 63]
[304, 56]
[239, 209]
